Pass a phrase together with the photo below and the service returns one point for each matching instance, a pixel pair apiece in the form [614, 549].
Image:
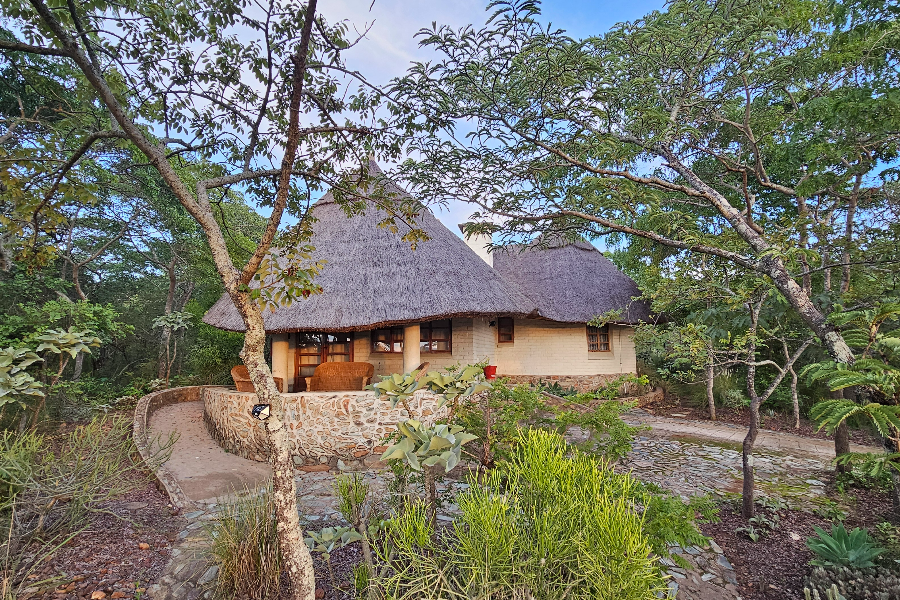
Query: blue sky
[390, 44]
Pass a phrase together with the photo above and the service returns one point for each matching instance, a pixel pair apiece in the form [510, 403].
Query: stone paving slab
[204, 470]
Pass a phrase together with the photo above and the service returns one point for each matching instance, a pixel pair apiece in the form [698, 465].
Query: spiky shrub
[842, 549]
[545, 525]
[245, 547]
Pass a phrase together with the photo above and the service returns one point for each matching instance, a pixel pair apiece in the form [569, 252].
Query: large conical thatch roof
[571, 282]
[373, 278]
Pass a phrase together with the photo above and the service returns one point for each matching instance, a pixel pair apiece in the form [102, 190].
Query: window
[505, 330]
[434, 336]
[387, 340]
[314, 349]
[598, 339]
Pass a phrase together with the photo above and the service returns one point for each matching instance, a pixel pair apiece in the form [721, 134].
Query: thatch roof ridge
[570, 281]
[372, 278]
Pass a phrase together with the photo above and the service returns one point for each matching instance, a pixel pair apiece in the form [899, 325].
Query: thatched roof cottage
[525, 309]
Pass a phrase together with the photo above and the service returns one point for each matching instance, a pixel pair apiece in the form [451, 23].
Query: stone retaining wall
[582, 383]
[146, 406]
[323, 427]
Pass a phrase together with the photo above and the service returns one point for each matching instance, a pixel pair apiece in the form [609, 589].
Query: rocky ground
[117, 555]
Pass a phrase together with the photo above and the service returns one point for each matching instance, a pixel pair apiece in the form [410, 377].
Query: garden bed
[774, 567]
[108, 555]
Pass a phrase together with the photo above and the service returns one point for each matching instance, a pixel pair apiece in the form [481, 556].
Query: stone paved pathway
[686, 457]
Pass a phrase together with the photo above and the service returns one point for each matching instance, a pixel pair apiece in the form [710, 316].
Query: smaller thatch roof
[372, 278]
[571, 282]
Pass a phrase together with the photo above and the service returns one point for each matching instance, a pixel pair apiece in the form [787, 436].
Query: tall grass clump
[546, 524]
[245, 547]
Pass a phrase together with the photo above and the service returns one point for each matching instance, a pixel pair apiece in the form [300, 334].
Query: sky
[390, 44]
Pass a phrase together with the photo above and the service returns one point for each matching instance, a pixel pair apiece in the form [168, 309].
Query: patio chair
[242, 380]
[340, 377]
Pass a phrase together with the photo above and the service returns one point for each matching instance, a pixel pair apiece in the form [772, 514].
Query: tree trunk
[841, 438]
[710, 398]
[431, 488]
[297, 559]
[748, 508]
[795, 398]
[79, 365]
[166, 333]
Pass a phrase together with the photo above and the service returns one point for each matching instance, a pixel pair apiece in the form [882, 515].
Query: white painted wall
[548, 348]
[540, 348]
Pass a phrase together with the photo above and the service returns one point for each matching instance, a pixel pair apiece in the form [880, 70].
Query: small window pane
[598, 339]
[441, 346]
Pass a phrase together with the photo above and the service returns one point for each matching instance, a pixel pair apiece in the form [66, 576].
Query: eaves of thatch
[372, 278]
[571, 282]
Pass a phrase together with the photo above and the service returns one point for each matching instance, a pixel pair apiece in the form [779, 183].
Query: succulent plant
[843, 549]
[423, 446]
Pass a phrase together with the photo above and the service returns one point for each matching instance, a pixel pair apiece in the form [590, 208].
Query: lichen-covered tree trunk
[748, 508]
[710, 380]
[297, 560]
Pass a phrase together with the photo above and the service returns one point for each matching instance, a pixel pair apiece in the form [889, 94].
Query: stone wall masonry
[323, 427]
[582, 383]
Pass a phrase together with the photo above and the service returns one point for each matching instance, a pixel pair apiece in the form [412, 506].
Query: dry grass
[245, 548]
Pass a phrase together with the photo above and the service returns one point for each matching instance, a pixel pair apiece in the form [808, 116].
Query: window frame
[512, 330]
[429, 327]
[425, 328]
[599, 331]
[324, 353]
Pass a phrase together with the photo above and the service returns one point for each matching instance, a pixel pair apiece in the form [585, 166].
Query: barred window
[598, 339]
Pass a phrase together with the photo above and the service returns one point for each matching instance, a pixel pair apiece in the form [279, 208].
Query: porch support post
[411, 356]
[280, 353]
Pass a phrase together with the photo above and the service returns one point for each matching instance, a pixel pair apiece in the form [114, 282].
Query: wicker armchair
[340, 377]
[242, 380]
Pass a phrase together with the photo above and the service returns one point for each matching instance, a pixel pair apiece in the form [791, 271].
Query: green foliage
[422, 446]
[544, 525]
[449, 385]
[16, 385]
[831, 413]
[842, 549]
[49, 485]
[71, 341]
[173, 320]
[504, 409]
[18, 455]
[245, 547]
[760, 525]
[330, 539]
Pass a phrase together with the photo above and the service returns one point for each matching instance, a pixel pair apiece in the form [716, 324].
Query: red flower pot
[490, 372]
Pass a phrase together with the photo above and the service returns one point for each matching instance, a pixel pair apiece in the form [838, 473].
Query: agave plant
[842, 549]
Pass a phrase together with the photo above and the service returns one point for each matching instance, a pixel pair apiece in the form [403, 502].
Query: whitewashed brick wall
[547, 348]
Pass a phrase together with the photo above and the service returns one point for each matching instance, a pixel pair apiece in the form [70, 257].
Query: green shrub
[245, 547]
[544, 525]
[841, 549]
[505, 409]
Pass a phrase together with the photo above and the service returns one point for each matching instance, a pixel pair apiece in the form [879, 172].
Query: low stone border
[146, 406]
